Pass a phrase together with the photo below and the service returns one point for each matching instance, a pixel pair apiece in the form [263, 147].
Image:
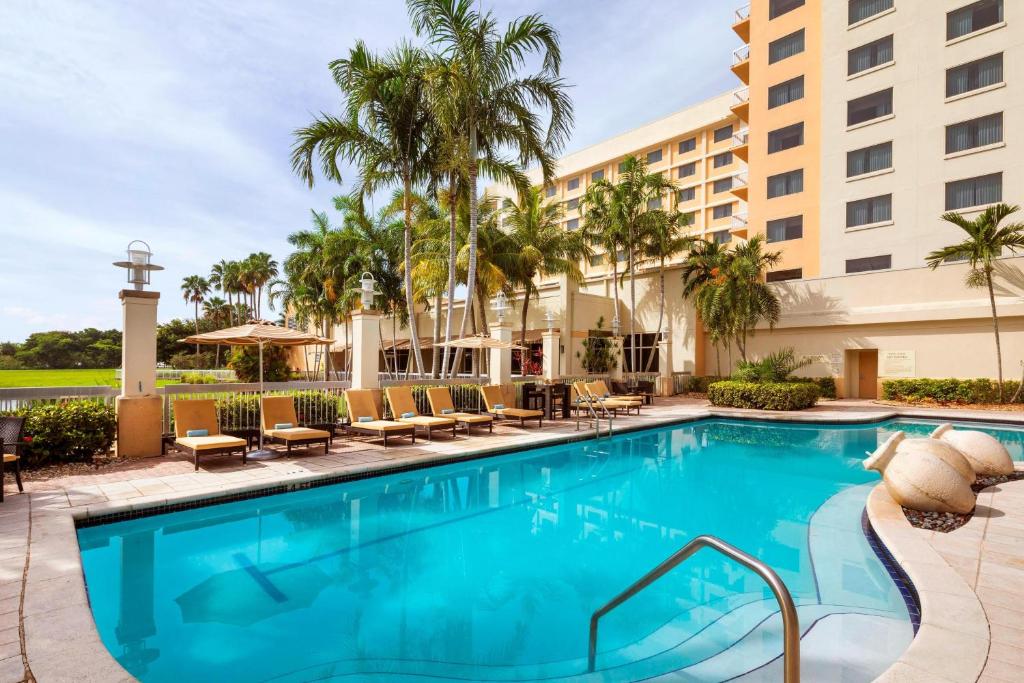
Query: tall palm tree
[194, 289]
[601, 229]
[261, 268]
[219, 275]
[544, 247]
[752, 299]
[217, 311]
[383, 131]
[663, 240]
[702, 269]
[987, 238]
[483, 91]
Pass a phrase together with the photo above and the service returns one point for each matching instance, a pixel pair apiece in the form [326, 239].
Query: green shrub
[826, 385]
[775, 367]
[71, 430]
[245, 361]
[188, 360]
[197, 378]
[316, 407]
[764, 395]
[699, 385]
[959, 391]
[239, 411]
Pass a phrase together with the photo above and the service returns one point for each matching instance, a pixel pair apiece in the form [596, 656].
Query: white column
[366, 349]
[552, 357]
[139, 414]
[501, 359]
[618, 359]
[665, 366]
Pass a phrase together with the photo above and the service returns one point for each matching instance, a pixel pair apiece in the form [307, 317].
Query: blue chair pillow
[499, 406]
[408, 413]
[447, 411]
[197, 432]
[283, 425]
[364, 418]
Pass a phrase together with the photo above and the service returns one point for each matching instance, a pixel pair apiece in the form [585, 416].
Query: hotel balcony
[741, 144]
[741, 103]
[741, 63]
[740, 186]
[741, 22]
[739, 225]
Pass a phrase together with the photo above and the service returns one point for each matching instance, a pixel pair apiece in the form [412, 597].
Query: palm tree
[194, 289]
[601, 228]
[543, 246]
[216, 310]
[752, 299]
[219, 274]
[384, 131]
[662, 240]
[985, 242]
[261, 268]
[701, 270]
[480, 90]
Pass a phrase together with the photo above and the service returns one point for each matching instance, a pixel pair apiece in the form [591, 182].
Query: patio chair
[608, 402]
[645, 388]
[494, 401]
[403, 409]
[197, 430]
[11, 443]
[441, 403]
[280, 424]
[364, 416]
[600, 390]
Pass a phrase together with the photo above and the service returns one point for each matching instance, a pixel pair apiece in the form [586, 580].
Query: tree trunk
[414, 340]
[718, 359]
[522, 327]
[394, 342]
[453, 220]
[995, 327]
[632, 306]
[196, 302]
[473, 218]
[661, 310]
[435, 358]
[474, 367]
[327, 349]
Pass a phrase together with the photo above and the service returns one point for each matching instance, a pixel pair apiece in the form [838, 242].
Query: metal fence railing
[16, 398]
[465, 392]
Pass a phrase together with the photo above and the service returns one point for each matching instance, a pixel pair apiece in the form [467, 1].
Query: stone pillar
[664, 366]
[552, 357]
[618, 360]
[139, 408]
[366, 349]
[501, 359]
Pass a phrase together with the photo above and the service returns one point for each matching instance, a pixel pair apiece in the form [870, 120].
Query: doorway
[867, 373]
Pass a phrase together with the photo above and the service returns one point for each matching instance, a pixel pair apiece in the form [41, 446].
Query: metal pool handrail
[790, 621]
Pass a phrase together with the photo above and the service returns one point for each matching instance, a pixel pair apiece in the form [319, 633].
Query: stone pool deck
[47, 632]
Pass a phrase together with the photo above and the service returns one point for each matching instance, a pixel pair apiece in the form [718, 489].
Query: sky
[172, 122]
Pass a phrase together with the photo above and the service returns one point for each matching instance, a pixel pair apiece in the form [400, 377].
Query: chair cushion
[364, 418]
[197, 432]
[447, 411]
[408, 413]
[283, 425]
[10, 457]
[499, 406]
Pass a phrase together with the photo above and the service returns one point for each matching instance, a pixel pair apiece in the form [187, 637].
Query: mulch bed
[948, 521]
[953, 406]
[57, 470]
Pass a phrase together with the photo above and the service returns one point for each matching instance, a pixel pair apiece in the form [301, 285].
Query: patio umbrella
[258, 333]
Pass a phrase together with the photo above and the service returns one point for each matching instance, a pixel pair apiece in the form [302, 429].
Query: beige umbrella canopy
[258, 333]
[480, 342]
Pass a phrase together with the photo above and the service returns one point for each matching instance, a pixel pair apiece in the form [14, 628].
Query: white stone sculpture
[947, 452]
[920, 479]
[987, 456]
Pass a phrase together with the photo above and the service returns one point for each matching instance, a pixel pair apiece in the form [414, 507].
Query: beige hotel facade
[854, 125]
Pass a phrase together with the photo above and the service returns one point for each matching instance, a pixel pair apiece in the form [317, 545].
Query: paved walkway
[42, 595]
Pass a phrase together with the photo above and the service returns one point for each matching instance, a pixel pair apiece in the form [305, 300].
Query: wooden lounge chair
[441, 403]
[281, 424]
[196, 416]
[403, 409]
[494, 401]
[364, 416]
[11, 443]
[592, 389]
[601, 390]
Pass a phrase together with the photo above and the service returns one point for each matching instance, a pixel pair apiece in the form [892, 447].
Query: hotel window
[869, 211]
[572, 224]
[721, 237]
[597, 259]
[783, 275]
[686, 195]
[572, 204]
[786, 92]
[723, 185]
[686, 170]
[622, 166]
[862, 9]
[687, 145]
[723, 211]
[973, 17]
[869, 159]
[873, 106]
[786, 138]
[975, 75]
[689, 218]
[723, 133]
[869, 56]
[597, 175]
[653, 203]
[785, 229]
[654, 157]
[723, 159]
[987, 130]
[786, 46]
[646, 349]
[963, 194]
[863, 265]
[550, 191]
[776, 8]
[573, 184]
[786, 183]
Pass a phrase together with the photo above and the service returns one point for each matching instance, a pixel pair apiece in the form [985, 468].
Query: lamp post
[550, 319]
[366, 290]
[139, 264]
[500, 305]
[551, 346]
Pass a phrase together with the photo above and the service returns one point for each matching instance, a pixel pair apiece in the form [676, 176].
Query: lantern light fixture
[139, 264]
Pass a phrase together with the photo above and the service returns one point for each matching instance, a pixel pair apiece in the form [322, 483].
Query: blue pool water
[490, 569]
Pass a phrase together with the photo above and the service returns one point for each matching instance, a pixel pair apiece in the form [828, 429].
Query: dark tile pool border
[906, 587]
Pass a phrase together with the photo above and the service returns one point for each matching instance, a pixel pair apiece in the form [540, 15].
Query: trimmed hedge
[918, 390]
[826, 385]
[764, 395]
[699, 385]
[70, 430]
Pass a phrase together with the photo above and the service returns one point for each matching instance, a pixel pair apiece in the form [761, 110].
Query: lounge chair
[403, 409]
[197, 430]
[11, 443]
[615, 404]
[364, 416]
[441, 403]
[601, 389]
[281, 424]
[494, 401]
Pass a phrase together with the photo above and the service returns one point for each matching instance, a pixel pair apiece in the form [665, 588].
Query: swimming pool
[489, 569]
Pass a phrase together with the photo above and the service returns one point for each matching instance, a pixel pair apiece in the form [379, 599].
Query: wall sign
[897, 364]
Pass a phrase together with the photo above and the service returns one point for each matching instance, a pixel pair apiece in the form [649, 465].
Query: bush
[197, 378]
[775, 367]
[316, 407]
[957, 391]
[72, 430]
[187, 360]
[826, 385]
[764, 395]
[699, 385]
[239, 411]
[245, 361]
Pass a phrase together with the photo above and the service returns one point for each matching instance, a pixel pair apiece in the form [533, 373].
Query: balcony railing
[741, 13]
[739, 220]
[740, 54]
[740, 96]
[740, 138]
[739, 180]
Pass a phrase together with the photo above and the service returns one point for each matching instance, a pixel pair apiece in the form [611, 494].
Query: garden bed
[945, 522]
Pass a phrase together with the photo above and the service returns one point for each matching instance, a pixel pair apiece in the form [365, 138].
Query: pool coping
[62, 642]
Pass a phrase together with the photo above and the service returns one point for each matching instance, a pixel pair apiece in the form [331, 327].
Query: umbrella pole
[262, 454]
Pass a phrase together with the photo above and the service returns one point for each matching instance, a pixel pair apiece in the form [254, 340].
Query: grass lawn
[62, 378]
